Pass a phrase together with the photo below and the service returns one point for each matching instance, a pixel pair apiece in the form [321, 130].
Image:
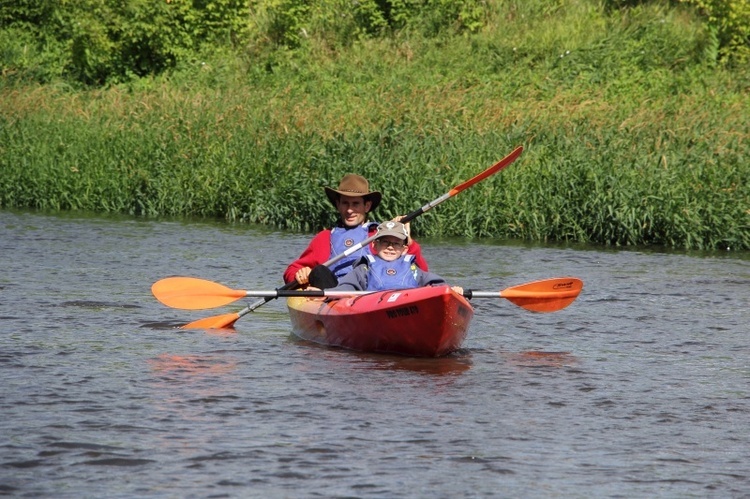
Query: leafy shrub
[729, 24]
[102, 41]
[26, 56]
[342, 22]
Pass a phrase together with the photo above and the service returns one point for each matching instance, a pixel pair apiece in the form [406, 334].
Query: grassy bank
[631, 138]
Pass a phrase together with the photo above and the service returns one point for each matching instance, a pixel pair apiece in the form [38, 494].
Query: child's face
[390, 248]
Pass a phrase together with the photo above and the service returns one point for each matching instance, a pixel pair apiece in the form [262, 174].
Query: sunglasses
[394, 245]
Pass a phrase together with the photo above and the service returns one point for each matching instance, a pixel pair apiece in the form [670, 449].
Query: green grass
[631, 137]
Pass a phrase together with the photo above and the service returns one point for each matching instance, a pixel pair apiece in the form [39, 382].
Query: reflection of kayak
[420, 322]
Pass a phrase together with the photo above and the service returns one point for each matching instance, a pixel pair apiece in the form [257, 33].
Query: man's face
[353, 210]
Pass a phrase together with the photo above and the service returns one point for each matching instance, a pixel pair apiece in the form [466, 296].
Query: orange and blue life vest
[398, 274]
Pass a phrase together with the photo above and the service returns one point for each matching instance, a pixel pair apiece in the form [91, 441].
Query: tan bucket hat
[354, 186]
[391, 228]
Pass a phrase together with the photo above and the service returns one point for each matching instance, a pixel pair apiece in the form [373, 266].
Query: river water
[641, 388]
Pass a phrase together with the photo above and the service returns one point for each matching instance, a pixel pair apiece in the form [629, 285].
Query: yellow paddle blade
[548, 295]
[191, 293]
[224, 321]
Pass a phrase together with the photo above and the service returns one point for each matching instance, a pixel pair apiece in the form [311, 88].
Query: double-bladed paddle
[191, 293]
[226, 320]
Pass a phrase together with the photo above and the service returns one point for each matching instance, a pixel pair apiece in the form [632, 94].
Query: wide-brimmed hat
[354, 186]
[391, 228]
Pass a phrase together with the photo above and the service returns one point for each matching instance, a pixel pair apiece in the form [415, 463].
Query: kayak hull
[419, 322]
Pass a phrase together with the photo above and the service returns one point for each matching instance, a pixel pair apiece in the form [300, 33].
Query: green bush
[27, 56]
[105, 41]
[342, 22]
[729, 26]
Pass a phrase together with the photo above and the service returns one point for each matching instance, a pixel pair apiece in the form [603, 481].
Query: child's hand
[407, 227]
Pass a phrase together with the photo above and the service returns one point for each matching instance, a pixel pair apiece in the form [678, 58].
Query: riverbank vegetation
[633, 115]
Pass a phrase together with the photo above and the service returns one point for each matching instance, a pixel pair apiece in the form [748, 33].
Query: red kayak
[419, 322]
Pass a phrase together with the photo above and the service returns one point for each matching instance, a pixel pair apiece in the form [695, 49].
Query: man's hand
[303, 276]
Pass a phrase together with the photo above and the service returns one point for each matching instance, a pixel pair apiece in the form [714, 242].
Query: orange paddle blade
[194, 294]
[224, 321]
[510, 158]
[548, 295]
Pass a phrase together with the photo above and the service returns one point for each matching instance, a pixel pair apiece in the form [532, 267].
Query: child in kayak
[391, 267]
[354, 202]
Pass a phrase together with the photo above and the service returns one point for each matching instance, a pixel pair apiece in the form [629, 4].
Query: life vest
[342, 239]
[398, 274]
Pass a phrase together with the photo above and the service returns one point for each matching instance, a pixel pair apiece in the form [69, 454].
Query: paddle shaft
[310, 293]
[548, 295]
[414, 214]
[468, 293]
[191, 293]
[507, 160]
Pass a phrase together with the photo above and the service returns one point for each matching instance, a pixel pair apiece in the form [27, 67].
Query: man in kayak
[354, 201]
[391, 267]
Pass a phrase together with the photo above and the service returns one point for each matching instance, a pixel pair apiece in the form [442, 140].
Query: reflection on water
[165, 325]
[455, 363]
[534, 358]
[638, 389]
[96, 304]
[192, 365]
